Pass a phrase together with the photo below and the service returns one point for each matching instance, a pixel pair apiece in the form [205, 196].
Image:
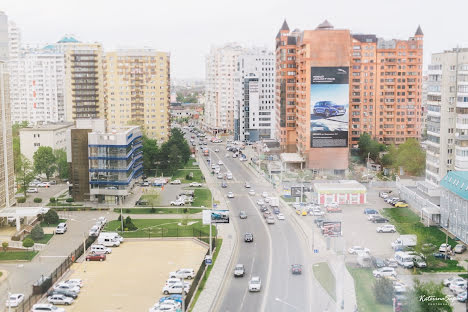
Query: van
[100, 249]
[113, 235]
[108, 241]
[404, 259]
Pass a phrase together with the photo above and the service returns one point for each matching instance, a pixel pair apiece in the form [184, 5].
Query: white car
[260, 202]
[60, 299]
[452, 279]
[331, 205]
[252, 192]
[44, 307]
[264, 194]
[255, 283]
[164, 307]
[14, 300]
[316, 212]
[32, 190]
[445, 247]
[217, 150]
[384, 272]
[175, 182]
[399, 287]
[267, 199]
[387, 228]
[458, 286]
[64, 286]
[177, 203]
[280, 216]
[183, 273]
[61, 228]
[173, 280]
[74, 282]
[270, 220]
[102, 221]
[356, 249]
[195, 184]
[94, 231]
[220, 163]
[230, 195]
[220, 176]
[175, 289]
[247, 185]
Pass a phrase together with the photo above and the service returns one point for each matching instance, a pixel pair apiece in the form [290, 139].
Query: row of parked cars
[62, 293]
[185, 197]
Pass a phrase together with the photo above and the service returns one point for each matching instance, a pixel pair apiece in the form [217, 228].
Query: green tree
[25, 173]
[5, 245]
[51, 217]
[150, 154]
[44, 161]
[16, 143]
[364, 144]
[383, 290]
[37, 233]
[428, 297]
[411, 157]
[61, 163]
[28, 243]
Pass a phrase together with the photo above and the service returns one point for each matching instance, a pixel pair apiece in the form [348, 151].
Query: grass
[439, 265]
[17, 255]
[44, 240]
[43, 224]
[190, 164]
[164, 228]
[289, 199]
[202, 197]
[465, 276]
[363, 283]
[152, 199]
[178, 210]
[182, 173]
[201, 286]
[325, 277]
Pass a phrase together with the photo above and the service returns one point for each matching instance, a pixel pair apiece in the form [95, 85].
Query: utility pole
[367, 165]
[446, 235]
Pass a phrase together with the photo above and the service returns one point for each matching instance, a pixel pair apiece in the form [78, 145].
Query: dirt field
[132, 277]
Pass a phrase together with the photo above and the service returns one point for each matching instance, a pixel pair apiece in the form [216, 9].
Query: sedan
[42, 307]
[379, 220]
[280, 216]
[195, 184]
[462, 296]
[62, 292]
[175, 289]
[264, 194]
[388, 228]
[14, 300]
[239, 270]
[452, 279]
[445, 247]
[230, 195]
[74, 281]
[60, 299]
[390, 262]
[247, 185]
[356, 249]
[255, 283]
[441, 256]
[63, 286]
[370, 211]
[459, 248]
[175, 182]
[32, 190]
[96, 257]
[252, 192]
[384, 272]
[296, 269]
[242, 215]
[260, 202]
[248, 237]
[220, 163]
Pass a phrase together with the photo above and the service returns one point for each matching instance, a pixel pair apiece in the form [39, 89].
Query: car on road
[14, 300]
[379, 220]
[276, 210]
[270, 220]
[195, 184]
[462, 296]
[280, 216]
[61, 228]
[230, 195]
[247, 185]
[369, 211]
[384, 272]
[239, 270]
[96, 257]
[265, 194]
[445, 247]
[255, 283]
[220, 163]
[64, 286]
[248, 237]
[224, 184]
[451, 280]
[216, 150]
[296, 269]
[332, 205]
[175, 289]
[70, 294]
[356, 249]
[183, 273]
[60, 299]
[175, 182]
[387, 228]
[177, 202]
[32, 190]
[383, 195]
[46, 307]
[94, 231]
[242, 214]
[459, 248]
[252, 192]
[220, 175]
[260, 202]
[316, 212]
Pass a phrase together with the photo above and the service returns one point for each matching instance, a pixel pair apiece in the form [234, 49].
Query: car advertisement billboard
[215, 216]
[331, 228]
[296, 190]
[329, 107]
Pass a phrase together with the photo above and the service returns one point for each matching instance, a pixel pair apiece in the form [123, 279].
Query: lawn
[17, 255]
[363, 283]
[175, 210]
[325, 277]
[202, 197]
[182, 173]
[44, 240]
[152, 199]
[43, 224]
[190, 164]
[289, 199]
[164, 228]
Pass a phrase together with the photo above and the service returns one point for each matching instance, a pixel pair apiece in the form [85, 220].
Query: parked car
[390, 262]
[175, 289]
[94, 231]
[379, 220]
[177, 202]
[242, 215]
[441, 256]
[61, 228]
[387, 228]
[14, 300]
[401, 204]
[67, 293]
[355, 249]
[458, 286]
[239, 270]
[174, 280]
[368, 211]
[378, 262]
[462, 296]
[419, 262]
[195, 184]
[255, 283]
[334, 209]
[74, 281]
[175, 182]
[296, 269]
[459, 248]
[141, 202]
[452, 279]
[384, 272]
[60, 299]
[328, 109]
[96, 257]
[248, 237]
[183, 273]
[101, 221]
[45, 307]
[428, 247]
[399, 287]
[383, 195]
[67, 287]
[445, 247]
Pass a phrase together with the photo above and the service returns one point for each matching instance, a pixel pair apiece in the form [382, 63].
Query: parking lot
[43, 192]
[132, 277]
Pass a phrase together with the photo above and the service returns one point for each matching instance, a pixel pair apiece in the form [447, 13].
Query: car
[265, 194]
[328, 109]
[141, 202]
[242, 214]
[390, 262]
[173, 280]
[267, 199]
[270, 220]
[441, 256]
[280, 216]
[247, 185]
[63, 286]
[355, 249]
[332, 205]
[384, 272]
[95, 256]
[175, 182]
[175, 289]
[74, 281]
[146, 183]
[458, 286]
[260, 202]
[41, 307]
[387, 228]
[61, 228]
[252, 192]
[177, 202]
[248, 237]
[462, 296]
[445, 248]
[459, 248]
[377, 262]
[94, 231]
[220, 162]
[167, 306]
[14, 300]
[401, 205]
[183, 273]
[316, 212]
[216, 150]
[60, 299]
[239, 270]
[255, 283]
[32, 190]
[399, 287]
[276, 210]
[419, 262]
[230, 195]
[220, 175]
[296, 269]
[176, 298]
[333, 209]
[195, 184]
[428, 247]
[102, 221]
[263, 208]
[266, 213]
[368, 211]
[449, 280]
[70, 294]
[383, 195]
[224, 184]
[379, 220]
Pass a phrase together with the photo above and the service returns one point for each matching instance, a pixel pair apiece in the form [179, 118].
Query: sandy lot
[132, 277]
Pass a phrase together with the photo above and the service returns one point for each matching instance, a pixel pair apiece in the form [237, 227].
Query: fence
[37, 247]
[164, 232]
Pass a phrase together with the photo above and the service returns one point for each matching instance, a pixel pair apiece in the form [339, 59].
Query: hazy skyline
[188, 29]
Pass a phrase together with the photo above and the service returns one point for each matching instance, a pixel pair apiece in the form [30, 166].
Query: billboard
[331, 228]
[215, 216]
[296, 190]
[329, 107]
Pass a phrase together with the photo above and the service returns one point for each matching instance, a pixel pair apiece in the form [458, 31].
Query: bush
[28, 243]
[128, 224]
[16, 238]
[52, 200]
[383, 290]
[152, 210]
[51, 217]
[38, 200]
[37, 233]
[188, 177]
[5, 246]
[185, 210]
[69, 200]
[21, 200]
[127, 211]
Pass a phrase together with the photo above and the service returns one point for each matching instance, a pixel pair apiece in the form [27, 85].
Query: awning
[23, 211]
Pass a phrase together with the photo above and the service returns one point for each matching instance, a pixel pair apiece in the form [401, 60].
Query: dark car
[224, 184]
[329, 109]
[96, 257]
[276, 210]
[440, 255]
[263, 208]
[379, 220]
[141, 203]
[66, 293]
[370, 211]
[248, 237]
[377, 262]
[296, 269]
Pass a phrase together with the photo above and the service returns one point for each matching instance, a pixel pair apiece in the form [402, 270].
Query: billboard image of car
[215, 216]
[329, 107]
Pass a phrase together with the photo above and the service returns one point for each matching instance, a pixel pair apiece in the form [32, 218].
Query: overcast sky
[188, 28]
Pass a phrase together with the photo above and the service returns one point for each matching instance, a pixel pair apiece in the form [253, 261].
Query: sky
[188, 28]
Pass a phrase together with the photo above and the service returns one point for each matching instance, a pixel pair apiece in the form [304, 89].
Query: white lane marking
[247, 290]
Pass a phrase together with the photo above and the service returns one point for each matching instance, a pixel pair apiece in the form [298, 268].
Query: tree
[150, 154]
[25, 173]
[383, 290]
[16, 143]
[37, 233]
[28, 243]
[174, 159]
[5, 245]
[51, 217]
[428, 297]
[44, 161]
[61, 163]
[411, 157]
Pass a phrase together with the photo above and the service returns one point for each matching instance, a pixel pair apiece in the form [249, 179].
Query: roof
[456, 182]
[68, 39]
[285, 26]
[325, 25]
[291, 158]
[365, 37]
[340, 185]
[22, 211]
[48, 127]
[419, 31]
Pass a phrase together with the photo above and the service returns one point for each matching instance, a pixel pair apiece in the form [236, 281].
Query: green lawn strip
[44, 240]
[63, 204]
[289, 199]
[363, 283]
[439, 265]
[465, 276]
[325, 277]
[201, 286]
[17, 255]
[146, 210]
[163, 228]
[181, 175]
[43, 224]
[202, 197]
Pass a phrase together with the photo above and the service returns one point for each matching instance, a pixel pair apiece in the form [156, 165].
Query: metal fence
[165, 232]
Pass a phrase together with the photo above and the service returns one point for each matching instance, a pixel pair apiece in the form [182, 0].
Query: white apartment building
[254, 92]
[14, 40]
[4, 42]
[447, 114]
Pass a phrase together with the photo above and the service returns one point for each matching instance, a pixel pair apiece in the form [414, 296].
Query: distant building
[4, 40]
[186, 111]
[52, 135]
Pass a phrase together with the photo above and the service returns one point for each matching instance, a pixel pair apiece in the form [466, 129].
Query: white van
[113, 235]
[108, 241]
[100, 249]
[404, 259]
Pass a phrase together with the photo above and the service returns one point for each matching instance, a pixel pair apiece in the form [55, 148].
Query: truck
[409, 240]
[274, 202]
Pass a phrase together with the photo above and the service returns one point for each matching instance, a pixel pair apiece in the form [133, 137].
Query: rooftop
[456, 182]
[68, 39]
[291, 158]
[340, 185]
[48, 127]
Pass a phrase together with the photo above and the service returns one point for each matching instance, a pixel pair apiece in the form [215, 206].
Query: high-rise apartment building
[14, 40]
[254, 95]
[447, 114]
[332, 86]
[4, 42]
[137, 90]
